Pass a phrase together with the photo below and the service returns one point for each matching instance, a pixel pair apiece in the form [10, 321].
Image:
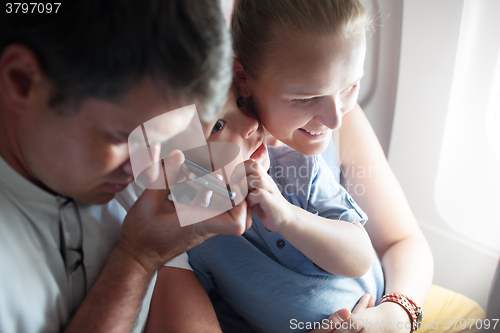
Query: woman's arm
[395, 234]
[339, 247]
[180, 304]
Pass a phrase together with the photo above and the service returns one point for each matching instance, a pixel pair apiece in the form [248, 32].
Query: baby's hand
[265, 198]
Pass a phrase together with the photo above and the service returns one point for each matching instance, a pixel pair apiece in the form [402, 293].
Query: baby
[306, 254]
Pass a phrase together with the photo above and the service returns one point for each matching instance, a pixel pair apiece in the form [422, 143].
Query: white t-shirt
[33, 280]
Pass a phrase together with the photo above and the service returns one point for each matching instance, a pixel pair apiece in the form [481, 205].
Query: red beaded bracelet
[412, 309]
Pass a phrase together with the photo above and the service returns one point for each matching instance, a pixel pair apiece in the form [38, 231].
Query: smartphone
[209, 181]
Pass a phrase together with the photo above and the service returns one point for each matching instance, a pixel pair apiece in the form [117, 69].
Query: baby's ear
[241, 79]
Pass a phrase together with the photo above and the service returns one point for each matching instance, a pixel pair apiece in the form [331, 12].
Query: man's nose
[127, 168]
[151, 173]
[330, 114]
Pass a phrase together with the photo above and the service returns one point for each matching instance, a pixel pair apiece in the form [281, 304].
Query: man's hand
[151, 232]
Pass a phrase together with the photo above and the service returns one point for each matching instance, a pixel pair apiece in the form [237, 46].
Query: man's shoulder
[8, 209]
[23, 256]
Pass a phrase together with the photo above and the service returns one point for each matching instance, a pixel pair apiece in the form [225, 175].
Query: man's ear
[241, 79]
[20, 76]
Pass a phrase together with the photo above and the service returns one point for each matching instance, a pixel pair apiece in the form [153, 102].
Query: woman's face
[308, 83]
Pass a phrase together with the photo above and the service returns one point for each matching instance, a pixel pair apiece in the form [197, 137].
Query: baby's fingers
[254, 182]
[254, 197]
[257, 178]
[252, 167]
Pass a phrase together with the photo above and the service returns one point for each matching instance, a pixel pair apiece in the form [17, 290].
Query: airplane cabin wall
[409, 72]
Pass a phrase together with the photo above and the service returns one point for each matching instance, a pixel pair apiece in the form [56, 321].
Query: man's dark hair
[101, 48]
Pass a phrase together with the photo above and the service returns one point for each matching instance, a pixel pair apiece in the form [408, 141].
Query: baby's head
[237, 124]
[301, 62]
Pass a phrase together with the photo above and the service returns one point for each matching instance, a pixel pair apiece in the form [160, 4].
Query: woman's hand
[337, 319]
[366, 301]
[387, 317]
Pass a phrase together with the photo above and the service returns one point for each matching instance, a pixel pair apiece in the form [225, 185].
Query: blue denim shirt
[259, 281]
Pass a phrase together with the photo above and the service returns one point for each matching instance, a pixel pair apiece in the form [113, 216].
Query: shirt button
[280, 243]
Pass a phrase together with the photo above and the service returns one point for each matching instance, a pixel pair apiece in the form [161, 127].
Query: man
[71, 90]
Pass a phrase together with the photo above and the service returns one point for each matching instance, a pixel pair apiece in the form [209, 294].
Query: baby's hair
[256, 24]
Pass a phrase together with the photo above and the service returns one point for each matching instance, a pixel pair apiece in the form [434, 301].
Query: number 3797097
[31, 7]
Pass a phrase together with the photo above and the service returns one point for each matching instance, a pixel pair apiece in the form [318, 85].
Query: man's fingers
[249, 218]
[240, 188]
[152, 201]
[202, 198]
[239, 174]
[233, 222]
[173, 164]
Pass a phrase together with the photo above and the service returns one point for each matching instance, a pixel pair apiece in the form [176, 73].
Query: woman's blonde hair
[255, 24]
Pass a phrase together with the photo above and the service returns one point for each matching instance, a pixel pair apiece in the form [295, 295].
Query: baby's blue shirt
[262, 278]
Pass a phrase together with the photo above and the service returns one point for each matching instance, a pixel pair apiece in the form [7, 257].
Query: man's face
[85, 155]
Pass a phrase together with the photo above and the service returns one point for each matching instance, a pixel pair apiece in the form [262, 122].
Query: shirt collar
[23, 188]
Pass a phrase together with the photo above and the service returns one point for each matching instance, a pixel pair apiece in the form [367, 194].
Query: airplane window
[468, 182]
